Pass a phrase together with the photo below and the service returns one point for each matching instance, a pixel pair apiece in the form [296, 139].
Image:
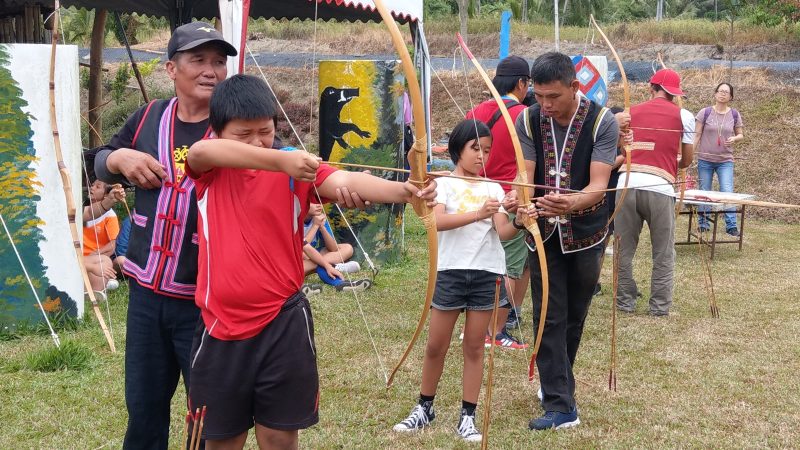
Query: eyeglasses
[724, 92]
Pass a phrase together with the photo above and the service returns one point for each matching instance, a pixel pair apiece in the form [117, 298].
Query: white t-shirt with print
[474, 246]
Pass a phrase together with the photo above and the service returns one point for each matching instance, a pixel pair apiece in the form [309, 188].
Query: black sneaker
[355, 285]
[733, 231]
[467, 429]
[513, 319]
[416, 420]
[309, 289]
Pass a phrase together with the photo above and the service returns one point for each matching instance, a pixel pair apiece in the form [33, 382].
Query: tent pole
[130, 56]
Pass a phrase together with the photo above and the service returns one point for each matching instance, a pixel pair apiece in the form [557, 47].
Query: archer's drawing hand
[553, 205]
[300, 165]
[138, 167]
[510, 202]
[489, 208]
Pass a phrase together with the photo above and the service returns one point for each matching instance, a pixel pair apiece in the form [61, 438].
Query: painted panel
[31, 194]
[361, 121]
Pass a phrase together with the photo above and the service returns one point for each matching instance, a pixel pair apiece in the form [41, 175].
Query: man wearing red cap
[661, 133]
[511, 80]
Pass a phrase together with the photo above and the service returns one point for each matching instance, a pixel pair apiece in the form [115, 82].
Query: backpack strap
[510, 103]
[706, 113]
[141, 122]
[597, 120]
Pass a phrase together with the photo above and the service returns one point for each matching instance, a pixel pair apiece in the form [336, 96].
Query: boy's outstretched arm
[375, 189]
[210, 153]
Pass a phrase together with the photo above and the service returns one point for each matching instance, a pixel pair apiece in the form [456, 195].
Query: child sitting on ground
[100, 230]
[254, 357]
[471, 224]
[322, 253]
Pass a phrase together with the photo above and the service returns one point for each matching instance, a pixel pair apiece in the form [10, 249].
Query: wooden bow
[417, 160]
[524, 197]
[612, 370]
[66, 182]
[627, 104]
[681, 172]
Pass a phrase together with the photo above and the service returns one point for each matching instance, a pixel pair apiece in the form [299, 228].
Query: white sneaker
[112, 284]
[417, 420]
[610, 250]
[467, 430]
[348, 267]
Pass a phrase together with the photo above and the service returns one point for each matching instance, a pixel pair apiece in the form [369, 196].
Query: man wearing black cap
[511, 80]
[149, 151]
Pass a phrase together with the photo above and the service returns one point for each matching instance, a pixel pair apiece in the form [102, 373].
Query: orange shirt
[100, 231]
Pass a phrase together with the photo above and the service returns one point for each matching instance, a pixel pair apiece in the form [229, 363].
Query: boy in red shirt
[254, 357]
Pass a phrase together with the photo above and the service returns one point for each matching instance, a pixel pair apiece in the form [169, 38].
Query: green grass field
[684, 381]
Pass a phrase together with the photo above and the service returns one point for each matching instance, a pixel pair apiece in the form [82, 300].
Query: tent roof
[351, 10]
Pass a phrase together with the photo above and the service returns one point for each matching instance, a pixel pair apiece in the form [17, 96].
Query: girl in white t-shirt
[471, 222]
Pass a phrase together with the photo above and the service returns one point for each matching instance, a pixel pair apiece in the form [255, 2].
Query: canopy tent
[182, 11]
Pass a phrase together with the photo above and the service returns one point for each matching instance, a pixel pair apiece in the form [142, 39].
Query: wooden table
[713, 211]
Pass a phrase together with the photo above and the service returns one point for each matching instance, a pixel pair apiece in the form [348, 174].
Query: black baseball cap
[513, 66]
[195, 34]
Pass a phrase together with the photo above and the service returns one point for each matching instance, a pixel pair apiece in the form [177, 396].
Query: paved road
[636, 71]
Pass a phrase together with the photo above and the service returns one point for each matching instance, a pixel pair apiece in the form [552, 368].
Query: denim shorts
[465, 289]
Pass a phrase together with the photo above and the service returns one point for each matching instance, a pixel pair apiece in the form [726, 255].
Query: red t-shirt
[502, 163]
[250, 229]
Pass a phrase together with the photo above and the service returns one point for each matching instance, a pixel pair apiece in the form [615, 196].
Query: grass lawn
[684, 381]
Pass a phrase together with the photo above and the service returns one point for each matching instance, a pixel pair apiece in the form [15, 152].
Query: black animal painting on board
[331, 128]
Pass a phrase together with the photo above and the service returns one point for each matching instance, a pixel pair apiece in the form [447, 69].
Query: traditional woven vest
[657, 130]
[579, 229]
[163, 249]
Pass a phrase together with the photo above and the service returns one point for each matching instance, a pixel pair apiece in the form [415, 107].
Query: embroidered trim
[557, 169]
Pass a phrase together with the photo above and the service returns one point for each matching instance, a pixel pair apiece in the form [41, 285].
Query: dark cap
[513, 66]
[195, 34]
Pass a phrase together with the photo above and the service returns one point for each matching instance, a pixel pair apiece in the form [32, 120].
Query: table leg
[741, 227]
[714, 234]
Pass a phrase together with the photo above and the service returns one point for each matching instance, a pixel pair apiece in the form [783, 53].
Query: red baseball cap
[669, 80]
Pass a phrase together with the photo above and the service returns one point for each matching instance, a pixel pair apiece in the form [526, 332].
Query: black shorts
[464, 289]
[270, 379]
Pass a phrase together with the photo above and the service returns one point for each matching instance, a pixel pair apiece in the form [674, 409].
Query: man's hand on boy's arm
[374, 189]
[208, 154]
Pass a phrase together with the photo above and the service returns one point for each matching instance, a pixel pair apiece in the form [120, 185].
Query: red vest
[655, 151]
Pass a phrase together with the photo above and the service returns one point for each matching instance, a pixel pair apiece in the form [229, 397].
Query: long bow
[681, 172]
[417, 160]
[627, 105]
[66, 183]
[524, 197]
